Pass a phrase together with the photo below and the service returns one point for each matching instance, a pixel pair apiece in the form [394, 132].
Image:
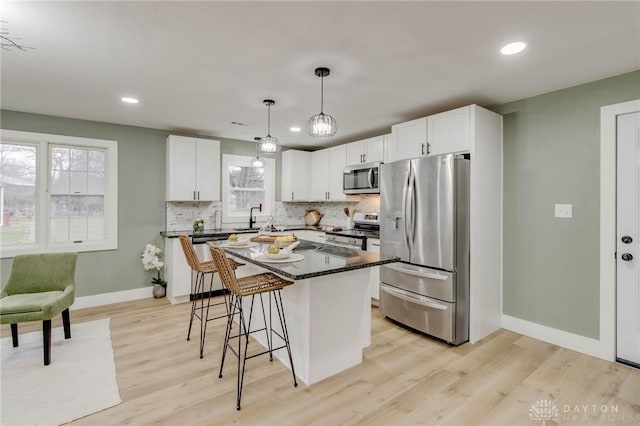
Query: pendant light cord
[269, 120]
[321, 94]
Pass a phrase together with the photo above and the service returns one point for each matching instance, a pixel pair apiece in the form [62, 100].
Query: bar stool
[251, 286]
[200, 269]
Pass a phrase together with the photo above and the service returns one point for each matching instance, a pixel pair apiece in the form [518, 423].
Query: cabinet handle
[198, 195]
[194, 195]
[364, 158]
[292, 197]
[421, 149]
[428, 148]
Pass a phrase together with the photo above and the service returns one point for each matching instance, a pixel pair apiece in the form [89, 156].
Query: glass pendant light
[322, 125]
[268, 144]
[257, 162]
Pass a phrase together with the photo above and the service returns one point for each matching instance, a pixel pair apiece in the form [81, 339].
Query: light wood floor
[406, 378]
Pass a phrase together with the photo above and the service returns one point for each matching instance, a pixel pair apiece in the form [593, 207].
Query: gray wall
[141, 194]
[552, 156]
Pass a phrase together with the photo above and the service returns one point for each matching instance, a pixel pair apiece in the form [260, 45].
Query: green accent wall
[552, 156]
[141, 196]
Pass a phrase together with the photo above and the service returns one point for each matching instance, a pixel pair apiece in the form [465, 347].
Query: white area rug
[80, 380]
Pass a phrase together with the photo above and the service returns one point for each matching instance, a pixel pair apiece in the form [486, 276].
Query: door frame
[608, 170]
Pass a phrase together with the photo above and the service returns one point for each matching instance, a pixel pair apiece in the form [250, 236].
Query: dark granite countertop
[319, 259]
[226, 231]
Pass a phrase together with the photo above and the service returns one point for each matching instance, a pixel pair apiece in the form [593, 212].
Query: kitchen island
[328, 308]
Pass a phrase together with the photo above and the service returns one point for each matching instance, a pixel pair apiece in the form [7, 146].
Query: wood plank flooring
[406, 378]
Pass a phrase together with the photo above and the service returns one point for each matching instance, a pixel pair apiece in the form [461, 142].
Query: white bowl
[282, 255]
[238, 243]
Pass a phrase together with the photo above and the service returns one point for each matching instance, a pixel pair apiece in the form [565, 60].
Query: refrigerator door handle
[405, 197]
[402, 295]
[429, 275]
[409, 215]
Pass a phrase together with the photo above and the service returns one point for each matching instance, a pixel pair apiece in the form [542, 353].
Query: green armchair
[40, 287]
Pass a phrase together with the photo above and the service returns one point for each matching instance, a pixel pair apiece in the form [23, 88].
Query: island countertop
[319, 259]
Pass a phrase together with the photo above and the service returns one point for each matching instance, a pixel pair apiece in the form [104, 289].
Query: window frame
[43, 243]
[269, 187]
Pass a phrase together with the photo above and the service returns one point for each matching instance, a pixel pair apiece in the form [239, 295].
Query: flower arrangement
[151, 260]
[198, 225]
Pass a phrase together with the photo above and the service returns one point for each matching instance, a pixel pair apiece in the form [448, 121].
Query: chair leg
[205, 319]
[14, 335]
[227, 334]
[193, 302]
[66, 323]
[244, 330]
[46, 340]
[285, 332]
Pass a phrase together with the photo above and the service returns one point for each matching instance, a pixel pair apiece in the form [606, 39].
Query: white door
[628, 238]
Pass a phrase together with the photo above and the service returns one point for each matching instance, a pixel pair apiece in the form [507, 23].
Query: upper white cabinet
[326, 178]
[450, 131]
[408, 140]
[295, 175]
[365, 151]
[193, 169]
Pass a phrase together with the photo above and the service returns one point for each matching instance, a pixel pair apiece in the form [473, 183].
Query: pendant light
[322, 125]
[268, 144]
[257, 162]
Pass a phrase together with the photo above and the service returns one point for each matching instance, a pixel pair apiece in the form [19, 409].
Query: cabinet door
[319, 180]
[181, 171]
[408, 139]
[355, 152]
[449, 131]
[373, 149]
[295, 175]
[337, 162]
[207, 164]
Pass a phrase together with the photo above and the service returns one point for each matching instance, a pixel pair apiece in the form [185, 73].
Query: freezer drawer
[424, 281]
[428, 315]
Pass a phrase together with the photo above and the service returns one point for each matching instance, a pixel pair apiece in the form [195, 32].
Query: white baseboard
[575, 342]
[109, 298]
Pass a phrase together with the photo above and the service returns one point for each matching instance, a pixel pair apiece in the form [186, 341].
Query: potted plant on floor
[150, 261]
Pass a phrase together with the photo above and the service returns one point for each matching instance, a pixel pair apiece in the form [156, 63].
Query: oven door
[361, 179]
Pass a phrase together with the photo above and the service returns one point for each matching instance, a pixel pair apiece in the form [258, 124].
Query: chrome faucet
[252, 220]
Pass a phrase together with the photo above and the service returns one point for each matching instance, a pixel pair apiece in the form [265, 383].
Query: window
[57, 193]
[245, 186]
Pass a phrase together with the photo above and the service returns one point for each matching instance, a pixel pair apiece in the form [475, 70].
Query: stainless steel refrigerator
[424, 220]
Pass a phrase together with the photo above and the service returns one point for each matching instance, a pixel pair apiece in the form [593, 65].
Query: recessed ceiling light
[512, 48]
[295, 129]
[129, 100]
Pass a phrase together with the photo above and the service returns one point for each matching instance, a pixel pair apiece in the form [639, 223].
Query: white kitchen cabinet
[408, 140]
[193, 169]
[373, 245]
[178, 273]
[449, 131]
[365, 151]
[326, 177]
[295, 175]
[309, 235]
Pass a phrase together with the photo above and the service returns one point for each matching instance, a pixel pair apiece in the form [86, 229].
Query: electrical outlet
[564, 211]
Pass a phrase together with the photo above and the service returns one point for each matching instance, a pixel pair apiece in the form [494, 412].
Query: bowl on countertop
[282, 254]
[239, 242]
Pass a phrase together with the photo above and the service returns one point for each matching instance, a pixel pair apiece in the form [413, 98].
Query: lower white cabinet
[178, 273]
[373, 245]
[315, 236]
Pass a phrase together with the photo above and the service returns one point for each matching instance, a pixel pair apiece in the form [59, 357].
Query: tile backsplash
[180, 215]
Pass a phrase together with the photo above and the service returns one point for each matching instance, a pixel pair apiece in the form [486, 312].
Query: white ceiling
[198, 66]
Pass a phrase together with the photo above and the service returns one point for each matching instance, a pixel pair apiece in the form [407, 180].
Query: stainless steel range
[365, 225]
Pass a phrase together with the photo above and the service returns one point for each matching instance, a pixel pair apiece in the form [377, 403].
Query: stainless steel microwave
[361, 179]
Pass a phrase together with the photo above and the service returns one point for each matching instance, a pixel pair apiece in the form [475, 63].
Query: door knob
[627, 256]
[627, 239]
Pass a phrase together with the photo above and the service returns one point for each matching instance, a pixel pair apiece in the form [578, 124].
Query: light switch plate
[564, 211]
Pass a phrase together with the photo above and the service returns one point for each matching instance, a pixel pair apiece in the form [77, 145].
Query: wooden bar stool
[200, 269]
[251, 286]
